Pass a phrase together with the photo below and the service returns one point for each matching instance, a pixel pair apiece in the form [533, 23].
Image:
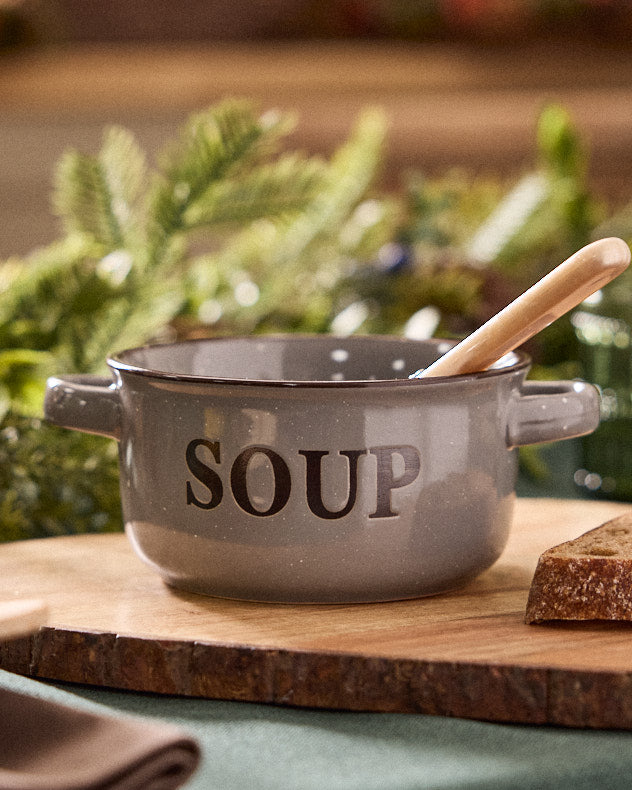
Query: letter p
[386, 480]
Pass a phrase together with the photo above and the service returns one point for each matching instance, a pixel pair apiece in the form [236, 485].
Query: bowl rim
[117, 362]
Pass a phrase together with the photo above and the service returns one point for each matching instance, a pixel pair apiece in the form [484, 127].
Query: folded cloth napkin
[48, 746]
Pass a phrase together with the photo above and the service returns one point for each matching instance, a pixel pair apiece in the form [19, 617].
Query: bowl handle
[546, 411]
[84, 403]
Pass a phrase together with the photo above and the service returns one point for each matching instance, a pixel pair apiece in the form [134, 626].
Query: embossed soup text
[204, 461]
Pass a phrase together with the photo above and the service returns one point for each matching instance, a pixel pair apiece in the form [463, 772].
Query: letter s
[204, 474]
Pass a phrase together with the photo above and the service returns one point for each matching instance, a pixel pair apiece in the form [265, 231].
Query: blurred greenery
[231, 233]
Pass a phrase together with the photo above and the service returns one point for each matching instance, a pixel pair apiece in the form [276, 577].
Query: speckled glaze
[311, 469]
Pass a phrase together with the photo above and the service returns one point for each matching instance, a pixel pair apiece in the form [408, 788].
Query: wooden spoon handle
[566, 286]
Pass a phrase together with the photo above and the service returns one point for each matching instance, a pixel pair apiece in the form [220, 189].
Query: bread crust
[588, 578]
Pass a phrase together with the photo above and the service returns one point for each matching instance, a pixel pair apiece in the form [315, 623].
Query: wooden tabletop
[20, 617]
[113, 622]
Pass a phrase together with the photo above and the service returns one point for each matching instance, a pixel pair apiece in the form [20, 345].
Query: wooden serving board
[112, 622]
[20, 617]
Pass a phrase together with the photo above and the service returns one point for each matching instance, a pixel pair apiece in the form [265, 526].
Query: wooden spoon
[566, 286]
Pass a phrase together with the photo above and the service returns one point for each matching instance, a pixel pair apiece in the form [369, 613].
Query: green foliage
[271, 190]
[230, 233]
[293, 266]
[55, 482]
[225, 213]
[493, 240]
[100, 196]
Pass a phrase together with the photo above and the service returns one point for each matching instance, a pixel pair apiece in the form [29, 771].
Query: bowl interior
[292, 358]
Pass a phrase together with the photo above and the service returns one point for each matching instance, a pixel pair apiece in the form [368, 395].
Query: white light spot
[398, 364]
[340, 355]
[389, 254]
[505, 361]
[115, 267]
[508, 218]
[210, 311]
[422, 324]
[246, 293]
[121, 210]
[580, 476]
[594, 298]
[368, 213]
[350, 319]
[269, 119]
[181, 191]
[592, 481]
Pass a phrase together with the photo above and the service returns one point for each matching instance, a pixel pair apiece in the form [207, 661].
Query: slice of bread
[589, 578]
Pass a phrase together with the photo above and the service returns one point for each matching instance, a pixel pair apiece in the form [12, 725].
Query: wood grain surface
[113, 622]
[20, 617]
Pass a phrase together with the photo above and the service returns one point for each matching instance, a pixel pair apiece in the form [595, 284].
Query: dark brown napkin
[47, 746]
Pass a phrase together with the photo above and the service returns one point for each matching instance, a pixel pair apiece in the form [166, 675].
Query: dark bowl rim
[117, 362]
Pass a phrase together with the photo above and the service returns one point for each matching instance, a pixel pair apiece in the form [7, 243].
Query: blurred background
[397, 166]
[461, 81]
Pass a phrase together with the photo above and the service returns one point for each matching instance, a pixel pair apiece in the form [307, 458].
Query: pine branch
[131, 322]
[270, 190]
[82, 200]
[210, 146]
[278, 255]
[97, 195]
[125, 171]
[345, 183]
[36, 294]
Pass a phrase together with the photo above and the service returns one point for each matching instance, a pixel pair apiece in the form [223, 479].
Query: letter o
[239, 483]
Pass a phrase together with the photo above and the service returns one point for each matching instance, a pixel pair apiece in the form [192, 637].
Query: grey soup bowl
[310, 468]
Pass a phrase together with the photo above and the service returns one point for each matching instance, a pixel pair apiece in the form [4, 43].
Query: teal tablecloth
[248, 746]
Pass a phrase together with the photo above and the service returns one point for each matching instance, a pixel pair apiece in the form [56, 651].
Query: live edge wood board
[112, 622]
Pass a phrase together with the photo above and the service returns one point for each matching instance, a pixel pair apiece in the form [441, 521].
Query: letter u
[313, 482]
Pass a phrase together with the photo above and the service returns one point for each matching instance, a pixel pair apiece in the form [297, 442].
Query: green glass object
[603, 327]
